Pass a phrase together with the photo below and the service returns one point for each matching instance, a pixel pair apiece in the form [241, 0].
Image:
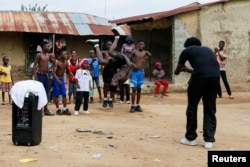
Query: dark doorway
[159, 43]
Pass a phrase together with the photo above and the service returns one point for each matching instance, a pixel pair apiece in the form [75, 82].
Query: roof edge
[158, 15]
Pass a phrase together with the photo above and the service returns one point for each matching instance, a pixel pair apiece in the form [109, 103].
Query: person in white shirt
[84, 85]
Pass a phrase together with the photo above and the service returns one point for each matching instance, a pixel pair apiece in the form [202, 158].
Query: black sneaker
[115, 31]
[59, 112]
[91, 100]
[132, 109]
[110, 102]
[105, 103]
[92, 41]
[66, 112]
[138, 108]
[48, 113]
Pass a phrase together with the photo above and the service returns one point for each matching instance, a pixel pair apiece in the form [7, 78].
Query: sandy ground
[147, 139]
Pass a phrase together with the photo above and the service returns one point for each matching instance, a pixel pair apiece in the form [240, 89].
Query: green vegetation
[34, 8]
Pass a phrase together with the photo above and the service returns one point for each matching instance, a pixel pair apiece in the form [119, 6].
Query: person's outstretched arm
[129, 63]
[99, 55]
[95, 44]
[34, 70]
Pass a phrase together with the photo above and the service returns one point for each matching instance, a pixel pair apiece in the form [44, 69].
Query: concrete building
[165, 33]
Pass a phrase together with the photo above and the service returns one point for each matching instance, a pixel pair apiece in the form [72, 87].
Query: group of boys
[119, 67]
[41, 71]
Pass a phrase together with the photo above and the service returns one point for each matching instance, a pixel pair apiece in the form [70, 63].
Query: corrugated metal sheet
[56, 23]
[159, 15]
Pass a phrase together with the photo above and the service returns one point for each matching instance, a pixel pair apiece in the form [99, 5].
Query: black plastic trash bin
[27, 122]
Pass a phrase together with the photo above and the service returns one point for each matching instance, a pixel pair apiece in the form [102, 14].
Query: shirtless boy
[139, 57]
[58, 82]
[41, 70]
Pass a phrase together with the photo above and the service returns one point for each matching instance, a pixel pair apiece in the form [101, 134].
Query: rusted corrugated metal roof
[56, 23]
[159, 15]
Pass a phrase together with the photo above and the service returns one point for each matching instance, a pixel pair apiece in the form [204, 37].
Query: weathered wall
[229, 22]
[185, 25]
[12, 45]
[77, 43]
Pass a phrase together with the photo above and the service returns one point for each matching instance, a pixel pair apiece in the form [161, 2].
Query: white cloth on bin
[22, 89]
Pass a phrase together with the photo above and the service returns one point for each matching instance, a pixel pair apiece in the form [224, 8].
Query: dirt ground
[123, 139]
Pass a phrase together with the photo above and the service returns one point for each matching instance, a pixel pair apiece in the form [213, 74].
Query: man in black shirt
[204, 83]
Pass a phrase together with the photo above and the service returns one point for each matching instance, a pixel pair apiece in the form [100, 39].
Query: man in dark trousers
[221, 56]
[204, 83]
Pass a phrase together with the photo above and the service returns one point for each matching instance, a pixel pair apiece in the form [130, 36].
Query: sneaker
[92, 41]
[132, 109]
[121, 102]
[48, 113]
[110, 102]
[3, 103]
[115, 31]
[208, 145]
[76, 112]
[59, 112]
[85, 112]
[105, 103]
[66, 112]
[91, 101]
[231, 97]
[138, 108]
[128, 102]
[188, 142]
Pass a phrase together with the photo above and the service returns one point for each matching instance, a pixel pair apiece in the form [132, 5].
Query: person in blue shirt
[94, 67]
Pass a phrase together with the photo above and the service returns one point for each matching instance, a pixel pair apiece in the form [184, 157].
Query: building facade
[166, 32]
[22, 32]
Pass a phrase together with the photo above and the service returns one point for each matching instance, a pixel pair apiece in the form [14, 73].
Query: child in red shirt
[72, 81]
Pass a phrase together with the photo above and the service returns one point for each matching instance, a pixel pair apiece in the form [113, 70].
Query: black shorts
[107, 74]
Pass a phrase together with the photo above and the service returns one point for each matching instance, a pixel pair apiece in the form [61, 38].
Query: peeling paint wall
[224, 21]
[230, 22]
[12, 45]
[185, 25]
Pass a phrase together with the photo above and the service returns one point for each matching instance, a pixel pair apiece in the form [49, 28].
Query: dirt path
[147, 139]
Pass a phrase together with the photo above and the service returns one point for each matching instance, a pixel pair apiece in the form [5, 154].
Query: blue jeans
[72, 88]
